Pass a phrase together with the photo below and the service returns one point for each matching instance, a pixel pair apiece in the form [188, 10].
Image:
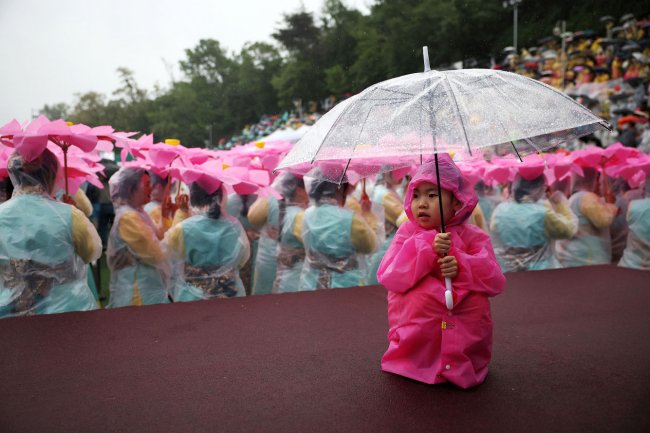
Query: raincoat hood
[452, 180]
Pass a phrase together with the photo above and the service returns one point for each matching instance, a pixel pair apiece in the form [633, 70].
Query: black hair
[39, 172]
[126, 183]
[154, 180]
[321, 188]
[523, 187]
[200, 198]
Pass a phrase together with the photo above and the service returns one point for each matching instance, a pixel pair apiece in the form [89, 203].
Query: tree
[59, 110]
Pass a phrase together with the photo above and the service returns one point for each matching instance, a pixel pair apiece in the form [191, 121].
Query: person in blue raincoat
[524, 228]
[385, 194]
[290, 251]
[139, 269]
[592, 244]
[237, 206]
[333, 236]
[265, 213]
[637, 251]
[45, 245]
[206, 250]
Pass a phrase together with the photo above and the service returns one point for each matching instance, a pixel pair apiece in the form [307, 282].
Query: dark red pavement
[571, 354]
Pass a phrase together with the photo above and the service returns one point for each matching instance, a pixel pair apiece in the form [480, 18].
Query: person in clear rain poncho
[139, 269]
[427, 341]
[207, 250]
[333, 236]
[265, 213]
[44, 245]
[637, 251]
[290, 252]
[524, 227]
[237, 206]
[592, 244]
[385, 194]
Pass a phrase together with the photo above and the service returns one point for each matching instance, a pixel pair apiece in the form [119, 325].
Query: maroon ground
[572, 354]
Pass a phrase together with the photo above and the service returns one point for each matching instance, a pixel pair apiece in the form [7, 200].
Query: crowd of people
[552, 211]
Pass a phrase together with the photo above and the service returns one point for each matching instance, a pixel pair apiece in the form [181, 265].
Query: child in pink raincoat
[428, 342]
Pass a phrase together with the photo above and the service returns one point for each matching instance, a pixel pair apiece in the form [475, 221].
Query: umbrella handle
[449, 297]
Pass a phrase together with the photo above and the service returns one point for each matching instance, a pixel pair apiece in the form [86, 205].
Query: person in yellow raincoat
[139, 269]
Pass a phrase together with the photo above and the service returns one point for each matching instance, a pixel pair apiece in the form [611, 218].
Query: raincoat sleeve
[401, 219]
[478, 268]
[180, 216]
[174, 244]
[259, 212]
[409, 258]
[82, 202]
[162, 224]
[477, 218]
[297, 225]
[559, 221]
[363, 235]
[85, 239]
[245, 253]
[137, 235]
[599, 213]
[393, 208]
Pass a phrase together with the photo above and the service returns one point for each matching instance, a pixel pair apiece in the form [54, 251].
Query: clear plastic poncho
[637, 251]
[237, 206]
[592, 243]
[290, 252]
[331, 259]
[206, 251]
[44, 246]
[523, 228]
[139, 269]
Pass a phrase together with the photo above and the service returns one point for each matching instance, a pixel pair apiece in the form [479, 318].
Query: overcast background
[53, 49]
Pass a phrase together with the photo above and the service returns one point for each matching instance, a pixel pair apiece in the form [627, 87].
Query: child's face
[426, 208]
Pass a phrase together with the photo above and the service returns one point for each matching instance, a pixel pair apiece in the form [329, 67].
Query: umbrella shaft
[442, 218]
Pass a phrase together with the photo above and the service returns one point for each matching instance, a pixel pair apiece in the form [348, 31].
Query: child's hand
[448, 266]
[442, 243]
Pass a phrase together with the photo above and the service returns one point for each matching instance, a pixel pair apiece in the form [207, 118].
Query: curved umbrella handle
[449, 297]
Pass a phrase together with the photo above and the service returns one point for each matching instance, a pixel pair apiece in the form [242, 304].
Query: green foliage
[59, 110]
[344, 51]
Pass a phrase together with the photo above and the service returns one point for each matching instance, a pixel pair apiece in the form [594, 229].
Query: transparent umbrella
[405, 120]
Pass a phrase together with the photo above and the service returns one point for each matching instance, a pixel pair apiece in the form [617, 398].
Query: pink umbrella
[33, 139]
[633, 170]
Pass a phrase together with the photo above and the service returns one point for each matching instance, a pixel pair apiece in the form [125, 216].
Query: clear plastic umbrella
[405, 120]
[399, 122]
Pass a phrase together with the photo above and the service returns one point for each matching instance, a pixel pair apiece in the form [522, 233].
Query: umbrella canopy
[407, 119]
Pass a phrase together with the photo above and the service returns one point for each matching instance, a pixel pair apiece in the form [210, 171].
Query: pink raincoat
[428, 342]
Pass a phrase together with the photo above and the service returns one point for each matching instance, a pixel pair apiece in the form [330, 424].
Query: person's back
[331, 260]
[265, 213]
[333, 237]
[524, 228]
[44, 246]
[592, 243]
[393, 207]
[237, 206]
[637, 251]
[212, 252]
[519, 240]
[291, 252]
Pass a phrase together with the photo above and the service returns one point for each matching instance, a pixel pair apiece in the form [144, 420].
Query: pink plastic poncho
[427, 342]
